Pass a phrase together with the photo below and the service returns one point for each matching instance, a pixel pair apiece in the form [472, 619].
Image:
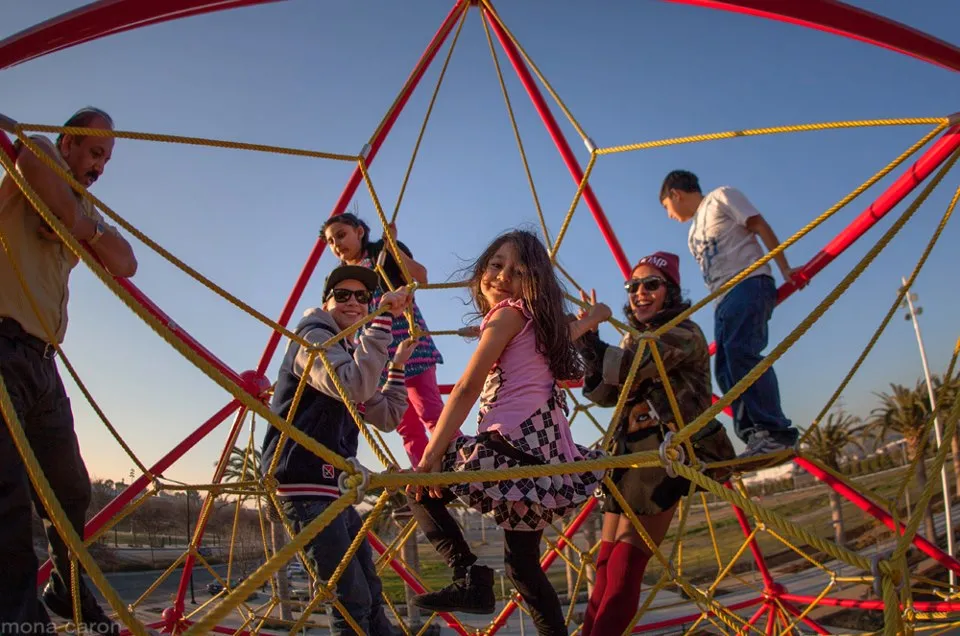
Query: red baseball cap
[667, 263]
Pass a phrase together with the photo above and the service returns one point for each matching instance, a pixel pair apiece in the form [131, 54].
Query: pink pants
[423, 411]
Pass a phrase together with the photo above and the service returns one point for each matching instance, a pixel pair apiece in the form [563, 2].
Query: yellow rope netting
[889, 574]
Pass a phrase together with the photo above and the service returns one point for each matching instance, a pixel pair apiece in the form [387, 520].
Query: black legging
[521, 556]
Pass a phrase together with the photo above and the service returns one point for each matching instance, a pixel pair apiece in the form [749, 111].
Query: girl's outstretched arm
[417, 271]
[500, 330]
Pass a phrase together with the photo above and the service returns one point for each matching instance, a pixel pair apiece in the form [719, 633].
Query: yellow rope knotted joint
[269, 483]
[155, 486]
[650, 336]
[670, 454]
[356, 480]
[881, 568]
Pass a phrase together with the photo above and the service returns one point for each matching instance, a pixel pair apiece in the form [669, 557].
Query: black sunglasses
[649, 283]
[343, 295]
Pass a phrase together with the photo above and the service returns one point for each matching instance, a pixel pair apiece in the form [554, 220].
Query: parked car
[296, 569]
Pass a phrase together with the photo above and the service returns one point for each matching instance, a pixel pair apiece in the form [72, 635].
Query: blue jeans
[359, 588]
[740, 329]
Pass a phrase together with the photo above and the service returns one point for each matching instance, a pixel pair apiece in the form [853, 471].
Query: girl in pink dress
[525, 349]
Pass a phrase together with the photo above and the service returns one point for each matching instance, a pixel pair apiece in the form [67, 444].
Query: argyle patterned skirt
[527, 503]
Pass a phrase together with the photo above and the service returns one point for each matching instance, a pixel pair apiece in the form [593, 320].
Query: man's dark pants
[43, 408]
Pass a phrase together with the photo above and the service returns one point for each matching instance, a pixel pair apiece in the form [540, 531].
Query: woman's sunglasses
[649, 283]
[343, 295]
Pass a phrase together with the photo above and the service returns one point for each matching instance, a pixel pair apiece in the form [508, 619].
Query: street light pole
[193, 598]
[914, 312]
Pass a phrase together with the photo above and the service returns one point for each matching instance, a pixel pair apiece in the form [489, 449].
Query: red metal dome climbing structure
[108, 17]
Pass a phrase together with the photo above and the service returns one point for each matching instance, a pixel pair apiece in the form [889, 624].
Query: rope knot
[269, 484]
[670, 454]
[882, 569]
[357, 479]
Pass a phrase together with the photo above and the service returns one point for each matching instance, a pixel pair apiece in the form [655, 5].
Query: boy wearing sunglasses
[723, 238]
[307, 484]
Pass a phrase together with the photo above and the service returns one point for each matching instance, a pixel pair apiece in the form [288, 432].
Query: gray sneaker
[761, 443]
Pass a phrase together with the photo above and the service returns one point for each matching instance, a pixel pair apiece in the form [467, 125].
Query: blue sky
[321, 75]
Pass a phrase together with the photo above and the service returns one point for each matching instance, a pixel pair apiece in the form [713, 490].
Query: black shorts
[649, 490]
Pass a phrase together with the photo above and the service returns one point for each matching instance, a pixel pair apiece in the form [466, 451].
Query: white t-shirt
[720, 240]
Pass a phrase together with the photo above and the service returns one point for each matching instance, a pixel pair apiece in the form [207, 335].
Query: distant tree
[102, 492]
[906, 412]
[828, 442]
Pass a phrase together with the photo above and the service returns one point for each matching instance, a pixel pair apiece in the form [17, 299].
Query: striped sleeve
[383, 323]
[394, 379]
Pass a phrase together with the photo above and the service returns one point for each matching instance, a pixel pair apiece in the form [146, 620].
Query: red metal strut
[114, 16]
[842, 19]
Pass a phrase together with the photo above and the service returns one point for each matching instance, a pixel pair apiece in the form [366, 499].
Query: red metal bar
[201, 524]
[558, 138]
[141, 483]
[806, 619]
[377, 545]
[357, 176]
[920, 606]
[893, 195]
[546, 562]
[768, 583]
[771, 620]
[99, 19]
[842, 19]
[183, 336]
[689, 618]
[756, 615]
[878, 513]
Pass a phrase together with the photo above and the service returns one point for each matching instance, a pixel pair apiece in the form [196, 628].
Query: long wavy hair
[542, 292]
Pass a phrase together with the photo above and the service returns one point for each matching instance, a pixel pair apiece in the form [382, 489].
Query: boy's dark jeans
[359, 589]
[740, 330]
[43, 408]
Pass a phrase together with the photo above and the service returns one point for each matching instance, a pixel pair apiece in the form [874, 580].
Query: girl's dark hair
[542, 293]
[351, 219]
[673, 305]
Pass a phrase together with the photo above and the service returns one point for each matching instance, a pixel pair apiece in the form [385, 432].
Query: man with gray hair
[34, 274]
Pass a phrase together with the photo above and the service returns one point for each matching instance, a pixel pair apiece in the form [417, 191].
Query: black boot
[91, 614]
[471, 592]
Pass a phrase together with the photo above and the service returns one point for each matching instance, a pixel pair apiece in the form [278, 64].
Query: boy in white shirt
[723, 239]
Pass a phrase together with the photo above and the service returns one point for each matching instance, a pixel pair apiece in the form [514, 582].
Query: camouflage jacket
[686, 359]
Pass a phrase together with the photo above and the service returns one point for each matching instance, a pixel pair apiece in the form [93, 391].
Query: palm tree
[828, 442]
[240, 467]
[906, 412]
[243, 468]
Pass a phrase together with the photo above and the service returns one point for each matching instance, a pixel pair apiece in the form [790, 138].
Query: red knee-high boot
[599, 585]
[622, 596]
